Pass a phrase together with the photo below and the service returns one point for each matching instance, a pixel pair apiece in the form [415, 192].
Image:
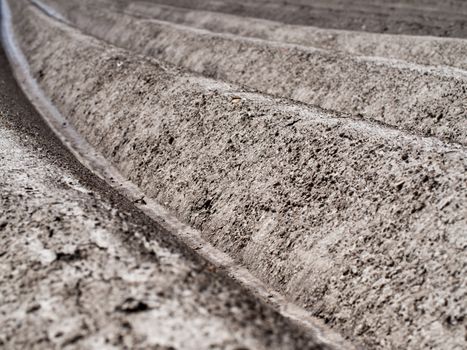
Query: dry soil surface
[362, 223]
[81, 268]
[438, 18]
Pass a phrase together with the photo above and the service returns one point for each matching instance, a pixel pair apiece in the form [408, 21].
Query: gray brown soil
[362, 224]
[81, 268]
[425, 100]
[426, 50]
[437, 18]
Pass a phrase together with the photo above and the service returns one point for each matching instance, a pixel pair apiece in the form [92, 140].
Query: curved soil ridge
[397, 17]
[418, 49]
[425, 50]
[425, 100]
[67, 238]
[361, 224]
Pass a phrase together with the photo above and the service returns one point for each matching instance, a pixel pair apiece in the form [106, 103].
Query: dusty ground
[438, 18]
[428, 50]
[362, 224]
[425, 100]
[80, 268]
